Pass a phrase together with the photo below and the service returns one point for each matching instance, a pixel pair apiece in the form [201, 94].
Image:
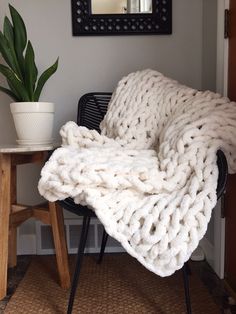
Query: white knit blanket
[151, 175]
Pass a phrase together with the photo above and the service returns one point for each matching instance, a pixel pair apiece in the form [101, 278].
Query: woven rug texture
[119, 285]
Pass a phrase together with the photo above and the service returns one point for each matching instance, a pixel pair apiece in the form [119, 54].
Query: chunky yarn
[151, 174]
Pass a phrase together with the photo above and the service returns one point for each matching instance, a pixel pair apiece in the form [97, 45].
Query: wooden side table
[13, 214]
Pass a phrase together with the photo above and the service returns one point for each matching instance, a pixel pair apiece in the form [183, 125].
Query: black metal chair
[91, 110]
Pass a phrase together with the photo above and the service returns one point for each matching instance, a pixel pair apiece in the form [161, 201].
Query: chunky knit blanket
[151, 174]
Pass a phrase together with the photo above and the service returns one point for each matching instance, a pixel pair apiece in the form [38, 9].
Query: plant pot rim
[34, 106]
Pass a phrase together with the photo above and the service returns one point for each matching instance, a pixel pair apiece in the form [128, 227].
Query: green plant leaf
[15, 82]
[9, 93]
[43, 79]
[9, 55]
[20, 36]
[13, 89]
[31, 71]
[9, 35]
[8, 32]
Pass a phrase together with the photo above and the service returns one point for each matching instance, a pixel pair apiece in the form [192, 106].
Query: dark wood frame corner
[84, 23]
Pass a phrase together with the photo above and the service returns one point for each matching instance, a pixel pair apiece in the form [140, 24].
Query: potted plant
[33, 119]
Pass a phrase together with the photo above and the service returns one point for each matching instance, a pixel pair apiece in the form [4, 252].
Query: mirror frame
[84, 23]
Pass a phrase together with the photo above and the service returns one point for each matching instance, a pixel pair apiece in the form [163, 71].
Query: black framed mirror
[121, 17]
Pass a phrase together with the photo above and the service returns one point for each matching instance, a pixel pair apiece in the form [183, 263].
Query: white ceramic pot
[33, 122]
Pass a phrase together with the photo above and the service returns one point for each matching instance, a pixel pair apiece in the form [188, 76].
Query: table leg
[5, 174]
[57, 222]
[12, 256]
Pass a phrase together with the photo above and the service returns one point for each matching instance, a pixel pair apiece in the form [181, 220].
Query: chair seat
[77, 209]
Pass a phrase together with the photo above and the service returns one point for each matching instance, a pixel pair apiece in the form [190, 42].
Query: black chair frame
[91, 109]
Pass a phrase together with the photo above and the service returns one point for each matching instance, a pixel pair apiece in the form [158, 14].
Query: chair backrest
[223, 173]
[92, 107]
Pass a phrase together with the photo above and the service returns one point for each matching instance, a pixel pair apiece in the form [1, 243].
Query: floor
[14, 277]
[215, 286]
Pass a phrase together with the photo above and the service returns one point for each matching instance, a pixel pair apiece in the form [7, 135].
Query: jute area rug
[119, 285]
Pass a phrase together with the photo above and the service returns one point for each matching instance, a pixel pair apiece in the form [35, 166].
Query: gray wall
[209, 44]
[97, 63]
[209, 65]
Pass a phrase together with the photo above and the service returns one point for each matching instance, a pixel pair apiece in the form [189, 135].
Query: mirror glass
[121, 6]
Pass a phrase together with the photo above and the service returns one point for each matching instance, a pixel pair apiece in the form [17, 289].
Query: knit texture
[151, 174]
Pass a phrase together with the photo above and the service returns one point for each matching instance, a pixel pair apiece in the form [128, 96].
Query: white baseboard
[198, 255]
[41, 243]
[208, 250]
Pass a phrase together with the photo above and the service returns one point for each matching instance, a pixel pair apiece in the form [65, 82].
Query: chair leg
[82, 243]
[103, 246]
[188, 269]
[186, 287]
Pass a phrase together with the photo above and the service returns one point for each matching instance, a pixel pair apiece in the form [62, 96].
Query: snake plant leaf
[9, 55]
[20, 35]
[9, 35]
[9, 93]
[43, 79]
[20, 70]
[13, 90]
[31, 71]
[8, 32]
[15, 82]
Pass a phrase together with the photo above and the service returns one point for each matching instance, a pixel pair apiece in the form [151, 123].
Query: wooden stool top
[14, 148]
